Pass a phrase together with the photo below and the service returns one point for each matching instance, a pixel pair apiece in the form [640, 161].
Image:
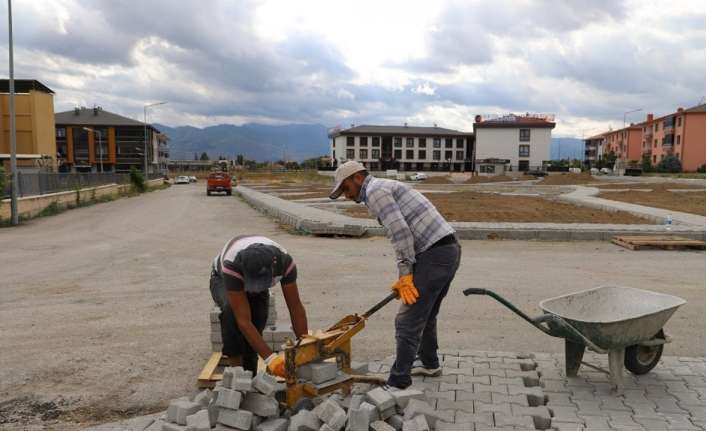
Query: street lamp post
[145, 109]
[100, 145]
[625, 115]
[14, 214]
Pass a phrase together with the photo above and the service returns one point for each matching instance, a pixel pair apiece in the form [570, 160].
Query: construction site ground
[105, 308]
[677, 197]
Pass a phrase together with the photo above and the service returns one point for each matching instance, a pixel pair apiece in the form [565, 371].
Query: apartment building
[524, 140]
[625, 143]
[681, 134]
[34, 125]
[406, 148]
[593, 150]
[95, 140]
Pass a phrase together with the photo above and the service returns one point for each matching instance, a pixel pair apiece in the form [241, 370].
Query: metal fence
[32, 184]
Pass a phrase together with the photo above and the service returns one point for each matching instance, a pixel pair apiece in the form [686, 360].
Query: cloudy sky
[376, 62]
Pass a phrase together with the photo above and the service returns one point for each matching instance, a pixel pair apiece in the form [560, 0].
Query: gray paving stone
[261, 405]
[489, 372]
[446, 395]
[238, 419]
[520, 400]
[204, 397]
[199, 421]
[445, 426]
[380, 398]
[481, 407]
[503, 420]
[229, 398]
[402, 397]
[473, 396]
[277, 424]
[396, 422]
[498, 389]
[417, 423]
[381, 426]
[178, 410]
[565, 414]
[485, 418]
[265, 383]
[305, 420]
[566, 426]
[529, 377]
[417, 407]
[535, 395]
[541, 416]
[515, 381]
[168, 426]
[332, 414]
[466, 406]
[481, 380]
[652, 423]
[318, 372]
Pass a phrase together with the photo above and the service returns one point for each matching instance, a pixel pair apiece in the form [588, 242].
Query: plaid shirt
[411, 222]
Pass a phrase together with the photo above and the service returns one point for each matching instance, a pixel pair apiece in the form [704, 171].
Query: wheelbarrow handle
[566, 326]
[506, 303]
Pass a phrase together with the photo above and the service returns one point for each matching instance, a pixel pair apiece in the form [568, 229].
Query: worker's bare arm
[241, 309]
[296, 309]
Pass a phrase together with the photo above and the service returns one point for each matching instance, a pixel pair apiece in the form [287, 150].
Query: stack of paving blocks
[184, 414]
[275, 334]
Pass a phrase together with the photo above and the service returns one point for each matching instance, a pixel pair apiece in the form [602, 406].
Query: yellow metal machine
[335, 342]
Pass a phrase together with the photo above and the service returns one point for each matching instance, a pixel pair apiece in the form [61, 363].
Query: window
[422, 142]
[410, 154]
[524, 150]
[350, 141]
[363, 141]
[678, 121]
[487, 169]
[459, 142]
[60, 132]
[459, 155]
[656, 126]
[523, 165]
[655, 143]
[449, 142]
[398, 141]
[437, 155]
[678, 139]
[410, 142]
[448, 155]
[376, 153]
[524, 135]
[398, 154]
[437, 142]
[654, 159]
[363, 153]
[350, 154]
[376, 141]
[422, 154]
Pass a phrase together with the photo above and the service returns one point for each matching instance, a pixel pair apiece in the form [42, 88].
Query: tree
[610, 159]
[669, 164]
[312, 163]
[240, 159]
[646, 163]
[204, 156]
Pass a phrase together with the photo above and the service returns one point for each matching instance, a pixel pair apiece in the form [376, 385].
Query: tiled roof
[512, 121]
[94, 117]
[400, 130]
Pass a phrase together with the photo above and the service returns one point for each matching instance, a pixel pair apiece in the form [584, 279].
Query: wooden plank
[667, 242]
[205, 378]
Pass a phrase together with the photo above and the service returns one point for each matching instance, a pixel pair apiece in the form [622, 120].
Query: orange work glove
[405, 289]
[275, 363]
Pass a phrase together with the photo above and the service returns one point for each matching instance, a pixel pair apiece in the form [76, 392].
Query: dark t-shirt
[283, 268]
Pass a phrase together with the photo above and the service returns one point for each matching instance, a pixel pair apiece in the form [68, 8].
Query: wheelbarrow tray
[613, 317]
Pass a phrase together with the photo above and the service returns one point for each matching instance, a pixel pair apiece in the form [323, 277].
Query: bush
[137, 180]
[646, 163]
[2, 182]
[669, 165]
[701, 169]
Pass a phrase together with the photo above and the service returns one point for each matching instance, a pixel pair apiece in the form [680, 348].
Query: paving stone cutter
[335, 342]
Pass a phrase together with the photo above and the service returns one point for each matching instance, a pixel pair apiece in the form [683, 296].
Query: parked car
[181, 179]
[419, 176]
[219, 182]
[193, 179]
[536, 173]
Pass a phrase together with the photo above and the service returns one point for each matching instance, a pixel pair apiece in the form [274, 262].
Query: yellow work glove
[405, 289]
[275, 363]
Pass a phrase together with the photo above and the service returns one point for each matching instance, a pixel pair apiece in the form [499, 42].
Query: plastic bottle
[668, 222]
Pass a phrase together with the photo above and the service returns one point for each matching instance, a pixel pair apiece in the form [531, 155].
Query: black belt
[447, 240]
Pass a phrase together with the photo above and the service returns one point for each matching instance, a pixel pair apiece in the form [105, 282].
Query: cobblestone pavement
[503, 390]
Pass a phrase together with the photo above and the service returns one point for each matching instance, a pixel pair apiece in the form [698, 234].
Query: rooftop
[95, 117]
[398, 130]
[512, 121]
[698, 108]
[24, 86]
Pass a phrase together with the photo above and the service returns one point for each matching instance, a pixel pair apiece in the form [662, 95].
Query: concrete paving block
[261, 405]
[213, 413]
[358, 420]
[473, 396]
[396, 422]
[388, 413]
[265, 383]
[417, 407]
[466, 406]
[304, 420]
[495, 380]
[565, 413]
[228, 377]
[485, 418]
[356, 401]
[204, 397]
[541, 416]
[179, 409]
[242, 384]
[497, 389]
[445, 426]
[402, 397]
[199, 421]
[535, 395]
[318, 372]
[325, 427]
[503, 420]
[441, 395]
[481, 407]
[380, 398]
[370, 410]
[238, 419]
[331, 414]
[381, 426]
[359, 367]
[229, 399]
[530, 377]
[279, 424]
[168, 426]
[520, 400]
[566, 426]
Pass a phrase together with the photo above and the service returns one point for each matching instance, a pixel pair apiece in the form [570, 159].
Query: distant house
[34, 125]
[524, 140]
[95, 140]
[593, 150]
[406, 148]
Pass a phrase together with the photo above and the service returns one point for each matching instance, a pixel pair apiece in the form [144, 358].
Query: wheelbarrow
[624, 322]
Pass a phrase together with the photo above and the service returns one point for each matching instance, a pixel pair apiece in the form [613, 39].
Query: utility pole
[625, 115]
[13, 131]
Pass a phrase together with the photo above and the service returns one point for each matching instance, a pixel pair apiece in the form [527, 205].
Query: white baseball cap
[344, 171]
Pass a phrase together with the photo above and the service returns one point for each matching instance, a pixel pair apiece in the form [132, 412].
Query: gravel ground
[104, 309]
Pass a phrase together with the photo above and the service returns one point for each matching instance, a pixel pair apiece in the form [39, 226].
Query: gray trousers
[415, 324]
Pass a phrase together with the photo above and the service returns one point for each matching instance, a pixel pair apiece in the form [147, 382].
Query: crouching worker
[241, 278]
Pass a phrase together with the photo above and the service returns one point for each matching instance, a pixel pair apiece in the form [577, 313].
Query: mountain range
[292, 141]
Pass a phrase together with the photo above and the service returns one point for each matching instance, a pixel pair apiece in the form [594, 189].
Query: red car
[219, 182]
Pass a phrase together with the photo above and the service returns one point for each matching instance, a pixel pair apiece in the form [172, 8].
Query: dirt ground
[284, 178]
[486, 207]
[476, 180]
[661, 197]
[104, 309]
[567, 179]
[652, 186]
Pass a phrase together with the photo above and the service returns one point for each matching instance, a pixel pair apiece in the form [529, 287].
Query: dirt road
[105, 309]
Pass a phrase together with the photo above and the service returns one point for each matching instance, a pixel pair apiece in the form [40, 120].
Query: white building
[524, 140]
[405, 148]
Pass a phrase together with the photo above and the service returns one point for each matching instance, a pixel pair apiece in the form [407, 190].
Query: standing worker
[241, 278]
[428, 256]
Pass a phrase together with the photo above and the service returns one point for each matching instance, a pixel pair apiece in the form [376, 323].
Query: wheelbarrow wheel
[642, 359]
